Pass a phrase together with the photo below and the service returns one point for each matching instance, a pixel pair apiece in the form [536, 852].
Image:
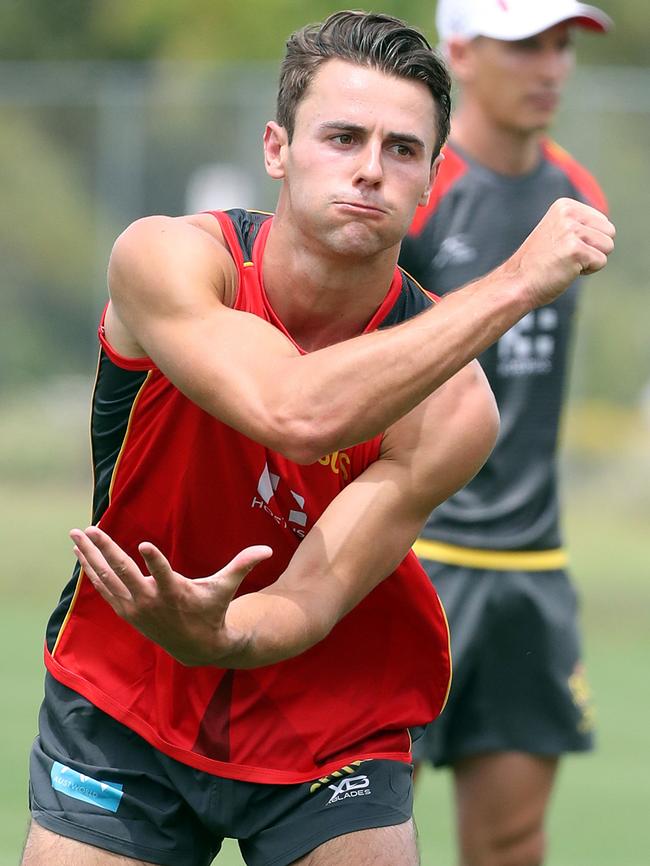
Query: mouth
[360, 208]
[544, 101]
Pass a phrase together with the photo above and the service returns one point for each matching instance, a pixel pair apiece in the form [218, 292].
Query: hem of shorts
[490, 748]
[385, 819]
[238, 772]
[105, 842]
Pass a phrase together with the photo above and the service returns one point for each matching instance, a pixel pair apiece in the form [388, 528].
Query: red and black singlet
[168, 472]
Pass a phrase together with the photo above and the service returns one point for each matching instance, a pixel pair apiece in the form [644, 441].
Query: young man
[494, 551]
[251, 392]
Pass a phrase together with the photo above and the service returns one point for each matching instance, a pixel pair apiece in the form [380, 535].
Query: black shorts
[518, 680]
[94, 780]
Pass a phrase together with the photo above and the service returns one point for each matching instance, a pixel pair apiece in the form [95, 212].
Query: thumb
[246, 560]
[232, 574]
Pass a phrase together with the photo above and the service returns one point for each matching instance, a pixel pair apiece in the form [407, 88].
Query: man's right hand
[572, 239]
[187, 618]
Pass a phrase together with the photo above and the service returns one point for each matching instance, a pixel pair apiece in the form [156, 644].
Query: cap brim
[591, 18]
[582, 15]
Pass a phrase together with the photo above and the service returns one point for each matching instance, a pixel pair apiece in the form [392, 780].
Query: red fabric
[583, 180]
[202, 491]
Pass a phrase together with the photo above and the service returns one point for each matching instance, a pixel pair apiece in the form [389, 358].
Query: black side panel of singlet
[410, 301]
[247, 225]
[113, 398]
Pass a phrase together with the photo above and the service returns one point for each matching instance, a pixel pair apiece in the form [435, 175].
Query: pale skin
[359, 163]
[509, 93]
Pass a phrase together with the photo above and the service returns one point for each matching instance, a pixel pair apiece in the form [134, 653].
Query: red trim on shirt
[582, 179]
[144, 363]
[452, 168]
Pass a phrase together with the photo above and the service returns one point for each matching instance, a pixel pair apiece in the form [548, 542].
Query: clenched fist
[571, 239]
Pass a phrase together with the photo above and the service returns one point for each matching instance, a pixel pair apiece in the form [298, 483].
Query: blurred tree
[85, 148]
[230, 29]
[46, 248]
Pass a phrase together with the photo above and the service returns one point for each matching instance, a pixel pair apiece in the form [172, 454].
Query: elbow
[301, 450]
[304, 440]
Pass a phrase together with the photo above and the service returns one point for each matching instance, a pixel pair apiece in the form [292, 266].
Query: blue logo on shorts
[106, 795]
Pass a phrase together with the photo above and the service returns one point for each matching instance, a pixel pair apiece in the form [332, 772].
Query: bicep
[171, 283]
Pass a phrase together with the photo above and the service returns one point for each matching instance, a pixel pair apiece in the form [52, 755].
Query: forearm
[355, 390]
[270, 626]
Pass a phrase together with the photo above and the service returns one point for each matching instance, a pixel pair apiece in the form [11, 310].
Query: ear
[433, 171]
[460, 55]
[276, 142]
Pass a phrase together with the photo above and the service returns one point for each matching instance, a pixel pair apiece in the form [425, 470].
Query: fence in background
[86, 148]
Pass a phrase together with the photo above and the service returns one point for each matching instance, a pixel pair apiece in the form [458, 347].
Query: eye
[403, 150]
[344, 138]
[526, 46]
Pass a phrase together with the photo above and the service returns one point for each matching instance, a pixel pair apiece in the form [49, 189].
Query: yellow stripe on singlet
[498, 560]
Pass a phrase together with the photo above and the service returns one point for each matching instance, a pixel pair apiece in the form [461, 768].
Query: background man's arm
[358, 541]
[172, 282]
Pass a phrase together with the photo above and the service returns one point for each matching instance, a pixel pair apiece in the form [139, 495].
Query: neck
[501, 149]
[322, 299]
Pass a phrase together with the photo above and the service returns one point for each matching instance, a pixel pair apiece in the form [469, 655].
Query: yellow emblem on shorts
[337, 774]
[582, 698]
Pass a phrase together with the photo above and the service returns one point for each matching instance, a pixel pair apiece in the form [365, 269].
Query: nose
[556, 64]
[370, 169]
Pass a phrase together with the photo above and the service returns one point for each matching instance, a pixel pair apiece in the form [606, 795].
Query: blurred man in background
[519, 697]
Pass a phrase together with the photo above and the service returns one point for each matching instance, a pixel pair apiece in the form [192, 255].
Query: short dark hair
[367, 39]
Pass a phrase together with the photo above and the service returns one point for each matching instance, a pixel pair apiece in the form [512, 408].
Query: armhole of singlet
[235, 249]
[144, 363]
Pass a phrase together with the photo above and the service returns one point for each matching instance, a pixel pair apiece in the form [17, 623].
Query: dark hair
[367, 39]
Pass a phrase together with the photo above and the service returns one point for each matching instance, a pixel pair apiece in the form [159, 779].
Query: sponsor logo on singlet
[338, 462]
[454, 250]
[296, 519]
[354, 786]
[528, 347]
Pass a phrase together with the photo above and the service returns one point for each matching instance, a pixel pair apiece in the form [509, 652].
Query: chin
[358, 241]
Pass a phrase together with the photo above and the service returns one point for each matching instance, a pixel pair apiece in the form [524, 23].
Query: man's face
[360, 158]
[518, 84]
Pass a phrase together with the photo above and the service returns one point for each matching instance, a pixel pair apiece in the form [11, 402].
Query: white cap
[513, 19]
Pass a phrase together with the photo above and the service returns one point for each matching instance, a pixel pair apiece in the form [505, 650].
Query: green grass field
[600, 810]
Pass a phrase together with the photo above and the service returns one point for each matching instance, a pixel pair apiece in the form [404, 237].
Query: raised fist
[571, 239]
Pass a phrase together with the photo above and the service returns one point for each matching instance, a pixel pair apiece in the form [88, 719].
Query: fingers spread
[248, 558]
[230, 576]
[159, 566]
[100, 573]
[109, 563]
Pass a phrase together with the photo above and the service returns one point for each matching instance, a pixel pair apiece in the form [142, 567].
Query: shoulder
[171, 233]
[453, 168]
[581, 178]
[158, 252]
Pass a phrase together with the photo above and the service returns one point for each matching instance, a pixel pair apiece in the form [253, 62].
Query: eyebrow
[406, 137]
